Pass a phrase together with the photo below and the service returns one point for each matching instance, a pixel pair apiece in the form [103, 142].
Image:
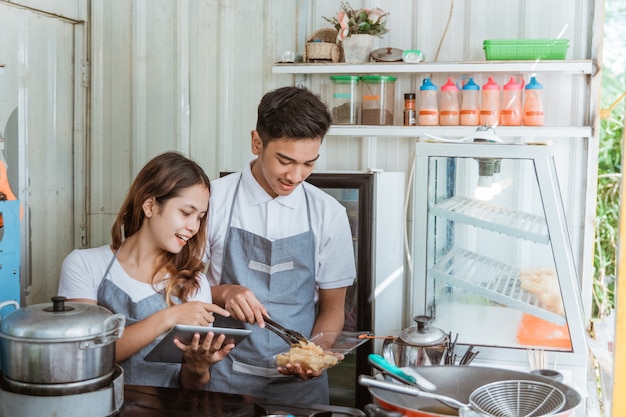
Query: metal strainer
[517, 398]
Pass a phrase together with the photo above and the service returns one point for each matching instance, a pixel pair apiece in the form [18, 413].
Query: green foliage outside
[609, 160]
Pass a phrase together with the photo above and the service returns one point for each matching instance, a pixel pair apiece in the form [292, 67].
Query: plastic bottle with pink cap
[449, 106]
[490, 103]
[511, 113]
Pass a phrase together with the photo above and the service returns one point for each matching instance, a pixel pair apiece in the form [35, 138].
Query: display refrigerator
[492, 257]
[374, 201]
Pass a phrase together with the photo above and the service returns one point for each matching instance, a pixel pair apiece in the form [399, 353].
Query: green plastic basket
[525, 49]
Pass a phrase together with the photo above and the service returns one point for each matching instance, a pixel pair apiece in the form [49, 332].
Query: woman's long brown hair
[163, 178]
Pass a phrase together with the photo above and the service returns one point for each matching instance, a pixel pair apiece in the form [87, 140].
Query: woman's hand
[194, 313]
[200, 356]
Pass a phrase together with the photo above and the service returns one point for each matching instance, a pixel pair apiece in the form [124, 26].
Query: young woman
[152, 273]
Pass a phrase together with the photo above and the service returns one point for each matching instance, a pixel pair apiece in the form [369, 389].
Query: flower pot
[357, 48]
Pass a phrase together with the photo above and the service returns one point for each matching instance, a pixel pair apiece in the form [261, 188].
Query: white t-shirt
[83, 270]
[284, 216]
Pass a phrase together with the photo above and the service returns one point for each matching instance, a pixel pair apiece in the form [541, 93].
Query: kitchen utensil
[419, 345]
[371, 336]
[292, 337]
[387, 368]
[459, 382]
[387, 54]
[62, 345]
[511, 398]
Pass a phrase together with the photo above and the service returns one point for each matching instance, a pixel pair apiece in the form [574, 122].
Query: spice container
[345, 99]
[490, 103]
[511, 113]
[533, 105]
[449, 106]
[379, 93]
[409, 110]
[429, 109]
[470, 103]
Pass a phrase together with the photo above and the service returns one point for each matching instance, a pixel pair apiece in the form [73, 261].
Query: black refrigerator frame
[364, 182]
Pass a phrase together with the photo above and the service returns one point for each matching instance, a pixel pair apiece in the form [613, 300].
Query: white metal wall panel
[37, 115]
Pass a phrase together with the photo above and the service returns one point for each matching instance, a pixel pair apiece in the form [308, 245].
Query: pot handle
[372, 410]
[104, 338]
[369, 381]
[387, 351]
[8, 303]
[118, 329]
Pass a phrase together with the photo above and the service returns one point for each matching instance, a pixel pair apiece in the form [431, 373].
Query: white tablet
[166, 350]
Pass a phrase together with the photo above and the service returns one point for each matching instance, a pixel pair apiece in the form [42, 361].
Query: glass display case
[492, 259]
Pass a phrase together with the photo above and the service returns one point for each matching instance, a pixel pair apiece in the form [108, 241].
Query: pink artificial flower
[344, 31]
[374, 15]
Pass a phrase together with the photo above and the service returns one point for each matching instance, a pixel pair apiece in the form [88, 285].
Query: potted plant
[357, 28]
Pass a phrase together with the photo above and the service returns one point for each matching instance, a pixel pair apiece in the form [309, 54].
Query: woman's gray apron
[281, 273]
[136, 370]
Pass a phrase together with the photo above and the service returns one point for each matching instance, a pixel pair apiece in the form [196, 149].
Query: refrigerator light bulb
[484, 189]
[496, 186]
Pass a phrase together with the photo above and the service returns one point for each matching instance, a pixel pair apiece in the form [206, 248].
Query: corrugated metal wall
[188, 76]
[41, 124]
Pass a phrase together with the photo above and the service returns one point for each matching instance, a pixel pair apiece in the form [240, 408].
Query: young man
[279, 247]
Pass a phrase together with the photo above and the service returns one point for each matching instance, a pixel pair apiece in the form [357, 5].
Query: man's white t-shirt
[284, 216]
[83, 270]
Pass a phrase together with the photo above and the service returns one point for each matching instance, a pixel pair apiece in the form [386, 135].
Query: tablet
[166, 350]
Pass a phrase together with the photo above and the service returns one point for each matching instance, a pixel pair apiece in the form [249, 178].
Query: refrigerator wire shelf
[489, 278]
[498, 219]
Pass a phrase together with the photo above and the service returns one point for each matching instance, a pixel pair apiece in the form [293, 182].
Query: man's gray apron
[136, 370]
[281, 273]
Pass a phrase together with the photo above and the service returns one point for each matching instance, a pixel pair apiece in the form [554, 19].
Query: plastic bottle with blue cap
[428, 107]
[533, 104]
[470, 103]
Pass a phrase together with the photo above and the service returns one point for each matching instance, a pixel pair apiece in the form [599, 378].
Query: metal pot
[458, 382]
[60, 346]
[419, 345]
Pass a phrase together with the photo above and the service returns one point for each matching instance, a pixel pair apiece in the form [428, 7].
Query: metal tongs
[292, 337]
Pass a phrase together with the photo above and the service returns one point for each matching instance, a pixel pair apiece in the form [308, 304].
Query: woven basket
[322, 46]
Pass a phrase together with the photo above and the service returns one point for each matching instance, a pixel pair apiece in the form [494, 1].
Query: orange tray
[534, 331]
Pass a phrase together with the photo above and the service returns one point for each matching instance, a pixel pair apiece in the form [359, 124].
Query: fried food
[309, 356]
[544, 283]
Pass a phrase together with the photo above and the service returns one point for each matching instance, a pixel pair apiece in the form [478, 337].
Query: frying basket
[517, 398]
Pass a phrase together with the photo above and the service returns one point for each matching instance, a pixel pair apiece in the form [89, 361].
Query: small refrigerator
[374, 201]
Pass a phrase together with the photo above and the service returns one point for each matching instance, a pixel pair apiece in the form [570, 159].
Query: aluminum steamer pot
[59, 348]
[458, 382]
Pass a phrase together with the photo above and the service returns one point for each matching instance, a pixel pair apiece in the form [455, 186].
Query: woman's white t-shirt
[83, 270]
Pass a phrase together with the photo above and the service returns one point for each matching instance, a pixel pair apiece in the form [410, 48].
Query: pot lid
[57, 320]
[422, 334]
[387, 54]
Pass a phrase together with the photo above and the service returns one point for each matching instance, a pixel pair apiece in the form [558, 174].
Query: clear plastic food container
[379, 94]
[345, 99]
